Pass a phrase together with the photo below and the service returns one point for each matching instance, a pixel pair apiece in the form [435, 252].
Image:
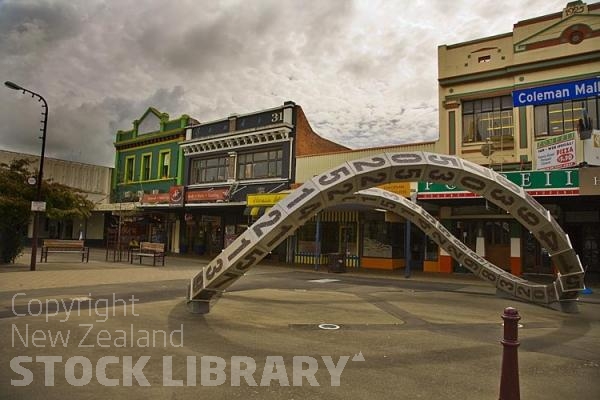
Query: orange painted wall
[431, 266]
[445, 264]
[516, 267]
[382, 263]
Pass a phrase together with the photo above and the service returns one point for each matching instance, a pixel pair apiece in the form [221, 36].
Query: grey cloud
[85, 132]
[28, 26]
[365, 73]
[248, 34]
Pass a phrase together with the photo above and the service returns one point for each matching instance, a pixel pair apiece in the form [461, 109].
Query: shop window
[306, 238]
[209, 170]
[559, 118]
[376, 241]
[431, 250]
[487, 118]
[382, 239]
[260, 165]
[330, 239]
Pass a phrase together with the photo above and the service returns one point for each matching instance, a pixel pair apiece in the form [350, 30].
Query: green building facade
[148, 158]
[148, 165]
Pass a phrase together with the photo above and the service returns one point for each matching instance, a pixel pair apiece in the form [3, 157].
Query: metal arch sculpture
[342, 183]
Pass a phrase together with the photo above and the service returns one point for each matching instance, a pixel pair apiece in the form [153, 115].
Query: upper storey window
[487, 118]
[263, 164]
[559, 118]
[209, 170]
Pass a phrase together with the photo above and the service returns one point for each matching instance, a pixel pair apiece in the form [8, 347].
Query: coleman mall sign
[563, 182]
[557, 93]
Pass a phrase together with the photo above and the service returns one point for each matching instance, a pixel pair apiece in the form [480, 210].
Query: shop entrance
[466, 231]
[585, 238]
[347, 239]
[497, 243]
[535, 258]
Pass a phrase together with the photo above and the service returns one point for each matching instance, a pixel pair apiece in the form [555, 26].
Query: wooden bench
[147, 249]
[64, 246]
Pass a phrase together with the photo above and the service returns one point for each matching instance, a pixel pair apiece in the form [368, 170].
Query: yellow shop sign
[264, 199]
[401, 188]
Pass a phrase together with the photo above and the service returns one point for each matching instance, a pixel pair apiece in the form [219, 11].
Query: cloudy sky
[365, 72]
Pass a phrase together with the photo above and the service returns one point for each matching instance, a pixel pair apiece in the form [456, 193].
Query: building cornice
[521, 69]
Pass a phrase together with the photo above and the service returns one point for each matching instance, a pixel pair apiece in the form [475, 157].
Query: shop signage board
[564, 182]
[264, 199]
[557, 93]
[176, 195]
[39, 206]
[589, 181]
[401, 188]
[556, 152]
[206, 195]
[157, 198]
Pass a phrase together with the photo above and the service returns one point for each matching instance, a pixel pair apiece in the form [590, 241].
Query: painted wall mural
[348, 182]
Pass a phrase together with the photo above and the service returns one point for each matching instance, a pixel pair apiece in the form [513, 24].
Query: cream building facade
[527, 104]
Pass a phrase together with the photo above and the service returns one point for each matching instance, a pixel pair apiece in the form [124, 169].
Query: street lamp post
[38, 195]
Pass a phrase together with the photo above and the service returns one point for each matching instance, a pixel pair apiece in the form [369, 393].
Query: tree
[62, 202]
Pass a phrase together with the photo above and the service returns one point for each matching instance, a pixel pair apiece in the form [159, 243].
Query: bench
[148, 249]
[64, 246]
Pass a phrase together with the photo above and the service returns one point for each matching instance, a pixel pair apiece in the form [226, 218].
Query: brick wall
[308, 142]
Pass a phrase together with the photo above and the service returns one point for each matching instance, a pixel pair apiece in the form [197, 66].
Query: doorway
[535, 258]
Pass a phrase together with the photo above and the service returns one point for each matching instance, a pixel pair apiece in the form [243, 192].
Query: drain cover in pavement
[329, 327]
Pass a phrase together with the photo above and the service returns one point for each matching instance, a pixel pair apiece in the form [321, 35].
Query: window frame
[129, 175]
[592, 104]
[161, 164]
[143, 166]
[247, 164]
[494, 116]
[199, 173]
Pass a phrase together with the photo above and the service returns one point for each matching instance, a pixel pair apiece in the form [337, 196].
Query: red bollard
[509, 379]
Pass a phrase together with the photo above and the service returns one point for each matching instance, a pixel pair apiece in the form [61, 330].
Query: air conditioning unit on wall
[127, 194]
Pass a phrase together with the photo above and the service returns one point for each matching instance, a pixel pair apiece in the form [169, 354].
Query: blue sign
[557, 93]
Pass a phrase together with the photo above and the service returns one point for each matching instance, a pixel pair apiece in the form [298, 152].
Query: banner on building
[176, 196]
[557, 152]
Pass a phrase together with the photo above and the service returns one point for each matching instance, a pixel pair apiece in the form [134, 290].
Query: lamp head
[12, 85]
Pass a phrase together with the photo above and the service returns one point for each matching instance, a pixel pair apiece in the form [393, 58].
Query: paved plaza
[279, 332]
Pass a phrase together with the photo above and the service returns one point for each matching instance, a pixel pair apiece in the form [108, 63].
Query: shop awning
[255, 212]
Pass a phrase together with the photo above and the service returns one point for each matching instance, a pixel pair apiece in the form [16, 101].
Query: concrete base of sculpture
[566, 306]
[198, 306]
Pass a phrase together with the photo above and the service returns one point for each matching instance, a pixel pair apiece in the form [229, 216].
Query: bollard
[509, 378]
